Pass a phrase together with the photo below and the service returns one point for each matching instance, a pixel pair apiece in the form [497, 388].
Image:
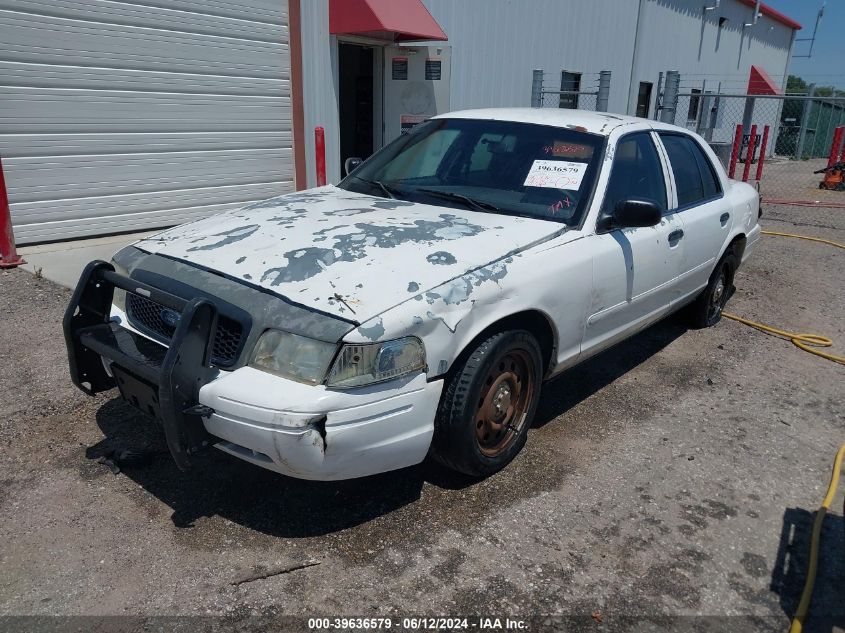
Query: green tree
[795, 85]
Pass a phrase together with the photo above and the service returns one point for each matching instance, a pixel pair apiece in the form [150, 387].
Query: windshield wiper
[470, 202]
[390, 192]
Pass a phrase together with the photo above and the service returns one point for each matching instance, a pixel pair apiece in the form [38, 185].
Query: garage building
[123, 116]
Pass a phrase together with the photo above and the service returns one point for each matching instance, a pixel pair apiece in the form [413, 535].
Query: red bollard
[749, 156]
[760, 160]
[320, 154]
[735, 150]
[834, 147]
[9, 257]
[842, 155]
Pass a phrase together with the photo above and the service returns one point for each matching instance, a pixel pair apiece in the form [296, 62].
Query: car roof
[602, 123]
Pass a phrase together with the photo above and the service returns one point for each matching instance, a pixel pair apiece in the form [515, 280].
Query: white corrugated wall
[679, 35]
[119, 116]
[497, 43]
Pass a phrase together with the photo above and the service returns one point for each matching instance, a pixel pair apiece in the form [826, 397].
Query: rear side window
[695, 178]
[636, 172]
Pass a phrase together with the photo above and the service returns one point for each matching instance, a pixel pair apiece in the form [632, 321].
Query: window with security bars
[570, 86]
[694, 101]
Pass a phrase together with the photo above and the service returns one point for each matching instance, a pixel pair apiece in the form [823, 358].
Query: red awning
[759, 83]
[777, 16]
[394, 20]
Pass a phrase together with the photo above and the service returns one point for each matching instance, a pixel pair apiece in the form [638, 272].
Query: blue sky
[826, 66]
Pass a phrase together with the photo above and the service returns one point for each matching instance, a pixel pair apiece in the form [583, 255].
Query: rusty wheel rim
[503, 403]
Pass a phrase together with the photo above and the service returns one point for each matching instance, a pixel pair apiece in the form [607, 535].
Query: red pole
[735, 150]
[9, 257]
[842, 155]
[749, 156]
[320, 153]
[834, 147]
[762, 153]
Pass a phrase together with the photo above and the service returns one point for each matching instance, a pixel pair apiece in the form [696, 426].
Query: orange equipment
[834, 177]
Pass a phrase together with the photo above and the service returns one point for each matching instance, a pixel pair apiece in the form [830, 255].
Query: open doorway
[643, 99]
[356, 98]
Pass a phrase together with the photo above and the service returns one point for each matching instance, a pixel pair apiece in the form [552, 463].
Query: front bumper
[300, 430]
[311, 432]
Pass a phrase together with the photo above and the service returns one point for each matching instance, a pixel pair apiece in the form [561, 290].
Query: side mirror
[635, 212]
[351, 164]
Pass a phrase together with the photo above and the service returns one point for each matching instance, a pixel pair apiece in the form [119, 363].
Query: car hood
[344, 253]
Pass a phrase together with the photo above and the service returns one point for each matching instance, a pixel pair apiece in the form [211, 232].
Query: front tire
[706, 310]
[488, 404]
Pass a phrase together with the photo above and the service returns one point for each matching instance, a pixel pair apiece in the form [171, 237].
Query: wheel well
[738, 244]
[532, 321]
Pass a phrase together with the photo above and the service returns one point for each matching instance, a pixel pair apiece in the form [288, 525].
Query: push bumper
[163, 382]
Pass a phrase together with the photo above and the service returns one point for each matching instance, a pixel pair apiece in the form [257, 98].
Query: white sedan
[417, 307]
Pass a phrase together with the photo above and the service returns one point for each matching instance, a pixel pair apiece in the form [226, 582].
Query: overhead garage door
[119, 116]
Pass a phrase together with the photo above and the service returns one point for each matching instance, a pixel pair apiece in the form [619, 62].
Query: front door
[416, 86]
[634, 270]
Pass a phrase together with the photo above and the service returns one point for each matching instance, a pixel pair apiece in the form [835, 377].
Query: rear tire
[706, 310]
[488, 404]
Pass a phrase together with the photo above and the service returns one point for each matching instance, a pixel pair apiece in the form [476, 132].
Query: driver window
[636, 172]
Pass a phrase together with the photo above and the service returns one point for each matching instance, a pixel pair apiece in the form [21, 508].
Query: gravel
[675, 475]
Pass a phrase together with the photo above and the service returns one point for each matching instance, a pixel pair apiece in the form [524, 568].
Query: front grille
[148, 316]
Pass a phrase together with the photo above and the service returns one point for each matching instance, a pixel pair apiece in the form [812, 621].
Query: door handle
[675, 235]
[724, 219]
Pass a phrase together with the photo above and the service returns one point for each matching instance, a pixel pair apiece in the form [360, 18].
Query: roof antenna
[812, 38]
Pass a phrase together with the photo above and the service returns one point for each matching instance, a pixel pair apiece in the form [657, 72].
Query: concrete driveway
[62, 262]
[670, 482]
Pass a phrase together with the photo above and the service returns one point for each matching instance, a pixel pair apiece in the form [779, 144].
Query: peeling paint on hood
[346, 253]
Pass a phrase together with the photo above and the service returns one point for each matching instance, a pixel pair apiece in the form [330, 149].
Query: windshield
[487, 166]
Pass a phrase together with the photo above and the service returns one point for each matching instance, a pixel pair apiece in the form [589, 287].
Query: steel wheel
[504, 401]
[488, 403]
[717, 296]
[706, 310]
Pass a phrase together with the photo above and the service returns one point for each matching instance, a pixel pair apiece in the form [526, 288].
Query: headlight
[358, 365]
[293, 356]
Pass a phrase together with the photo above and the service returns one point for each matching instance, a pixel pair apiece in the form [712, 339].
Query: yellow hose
[812, 568]
[805, 237]
[809, 343]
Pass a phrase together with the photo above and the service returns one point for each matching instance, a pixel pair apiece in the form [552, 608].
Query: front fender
[554, 281]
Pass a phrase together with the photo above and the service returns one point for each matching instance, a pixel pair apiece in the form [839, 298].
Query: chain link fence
[794, 139]
[565, 89]
[783, 143]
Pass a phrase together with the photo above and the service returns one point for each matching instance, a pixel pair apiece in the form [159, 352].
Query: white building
[120, 116]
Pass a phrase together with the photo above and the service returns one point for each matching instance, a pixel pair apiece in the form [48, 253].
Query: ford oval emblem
[170, 317]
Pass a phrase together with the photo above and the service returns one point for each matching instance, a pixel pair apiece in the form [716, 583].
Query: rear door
[634, 270]
[701, 205]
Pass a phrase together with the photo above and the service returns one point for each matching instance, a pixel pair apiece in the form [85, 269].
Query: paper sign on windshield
[555, 174]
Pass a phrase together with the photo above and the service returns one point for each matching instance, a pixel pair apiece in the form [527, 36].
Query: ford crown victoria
[417, 307]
